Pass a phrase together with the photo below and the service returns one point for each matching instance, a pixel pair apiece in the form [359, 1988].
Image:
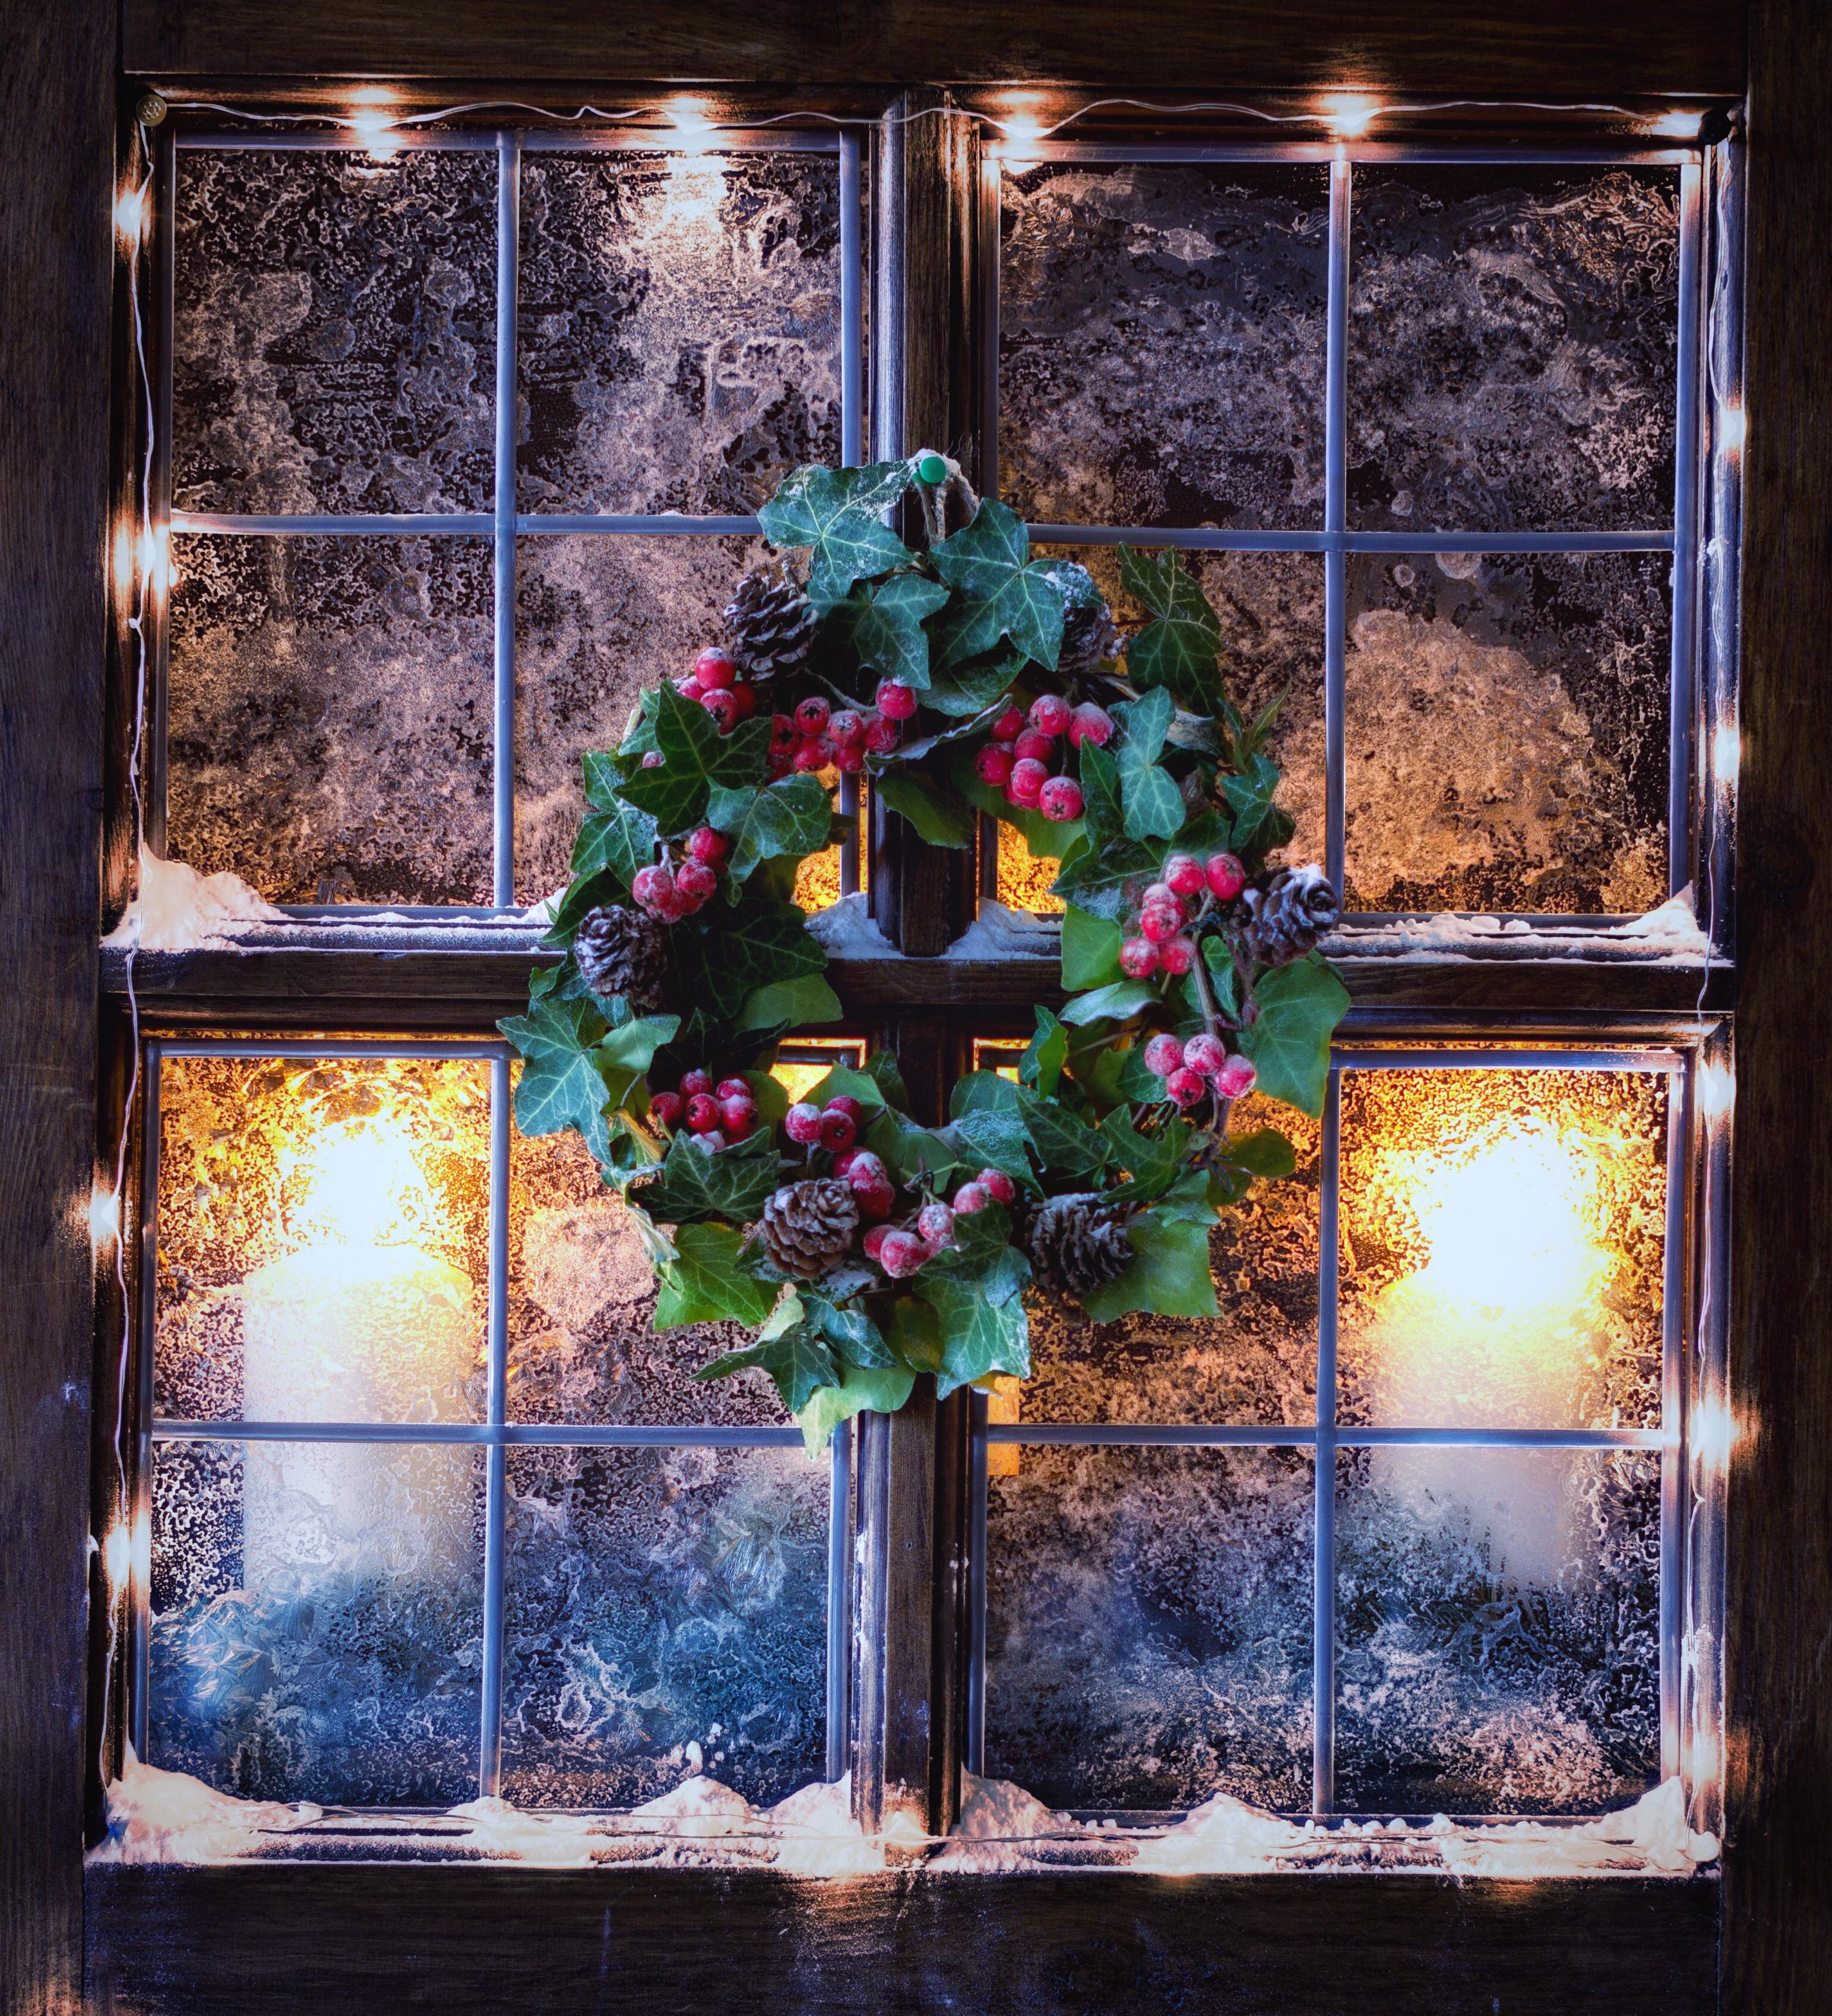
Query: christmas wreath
[867, 1248]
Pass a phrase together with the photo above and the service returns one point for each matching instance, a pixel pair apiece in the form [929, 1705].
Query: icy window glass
[679, 345]
[329, 735]
[334, 331]
[1507, 731]
[1162, 332]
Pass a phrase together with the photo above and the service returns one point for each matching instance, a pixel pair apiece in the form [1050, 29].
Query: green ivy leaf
[694, 1186]
[797, 1004]
[959, 689]
[983, 1328]
[752, 946]
[1154, 1159]
[628, 1051]
[1299, 1007]
[982, 1092]
[1002, 593]
[980, 1237]
[1090, 950]
[791, 816]
[837, 514]
[1180, 648]
[881, 1067]
[1169, 1277]
[1154, 808]
[940, 821]
[1249, 798]
[885, 621]
[798, 1361]
[842, 1082]
[561, 1084]
[695, 757]
[616, 842]
[1113, 1003]
[848, 1329]
[912, 1154]
[1265, 1152]
[1101, 811]
[707, 1281]
[1104, 880]
[876, 1391]
[991, 1139]
[1063, 1144]
[583, 895]
[1048, 1051]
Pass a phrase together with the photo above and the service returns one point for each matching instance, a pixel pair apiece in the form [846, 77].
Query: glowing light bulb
[154, 555]
[370, 122]
[1713, 1432]
[1733, 430]
[104, 1218]
[1506, 1226]
[1726, 752]
[1717, 1090]
[130, 214]
[117, 1556]
[1675, 126]
[1349, 115]
[1023, 134]
[688, 117]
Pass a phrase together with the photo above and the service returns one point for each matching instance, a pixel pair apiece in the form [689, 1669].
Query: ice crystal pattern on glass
[679, 329]
[330, 723]
[334, 331]
[1161, 340]
[1513, 349]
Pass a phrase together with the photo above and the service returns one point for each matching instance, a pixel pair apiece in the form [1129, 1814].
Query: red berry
[838, 1130]
[847, 728]
[895, 700]
[690, 688]
[694, 1082]
[901, 1254]
[1158, 896]
[652, 759]
[1161, 921]
[1186, 1086]
[1026, 784]
[935, 1223]
[1184, 876]
[802, 1124]
[1061, 799]
[875, 1238]
[1089, 723]
[702, 1112]
[1000, 1186]
[1035, 746]
[877, 1199]
[783, 732]
[1235, 1079]
[1164, 1054]
[860, 1167]
[653, 888]
[814, 754]
[1226, 877]
[811, 715]
[706, 844]
[781, 762]
[993, 765]
[715, 667]
[844, 1103]
[1205, 1053]
[1176, 955]
[738, 1116]
[1050, 713]
[1138, 959]
[850, 760]
[664, 1109]
[1010, 725]
[733, 1088]
[969, 1198]
[881, 734]
[746, 697]
[723, 708]
[695, 883]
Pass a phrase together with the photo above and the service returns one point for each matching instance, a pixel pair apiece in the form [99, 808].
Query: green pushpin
[931, 469]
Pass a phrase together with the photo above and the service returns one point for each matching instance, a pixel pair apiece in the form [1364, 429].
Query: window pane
[1513, 349]
[1503, 1242]
[334, 331]
[323, 1240]
[679, 328]
[1161, 330]
[317, 1613]
[667, 1614]
[1148, 1626]
[1497, 1630]
[1506, 732]
[330, 717]
[1254, 1363]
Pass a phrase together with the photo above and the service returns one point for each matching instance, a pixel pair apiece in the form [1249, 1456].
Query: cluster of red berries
[1189, 1069]
[900, 1250]
[818, 737]
[1022, 753]
[835, 1127]
[671, 893]
[714, 682]
[717, 1116]
[1160, 944]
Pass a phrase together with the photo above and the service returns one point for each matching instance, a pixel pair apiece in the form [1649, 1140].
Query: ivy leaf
[561, 1085]
[849, 1330]
[1102, 881]
[695, 757]
[798, 1361]
[694, 1186]
[629, 1048]
[1154, 806]
[984, 1329]
[982, 1092]
[1169, 1275]
[752, 946]
[1100, 793]
[836, 514]
[1180, 648]
[970, 689]
[706, 1281]
[1154, 1159]
[791, 816]
[1002, 592]
[914, 1333]
[997, 1140]
[885, 621]
[1112, 1003]
[1048, 1051]
[875, 1392]
[584, 894]
[1265, 1152]
[1063, 1144]
[604, 778]
[979, 1238]
[913, 1153]
[939, 820]
[616, 842]
[1090, 950]
[1299, 1007]
[841, 1081]
[794, 1004]
[881, 1067]
[1249, 798]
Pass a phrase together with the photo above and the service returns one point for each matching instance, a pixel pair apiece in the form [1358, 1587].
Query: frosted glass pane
[1161, 330]
[1497, 1630]
[1513, 349]
[1503, 1242]
[679, 329]
[323, 1240]
[1255, 1362]
[334, 331]
[597, 620]
[317, 1610]
[660, 1599]
[582, 1344]
[1148, 1626]
[1506, 732]
[330, 734]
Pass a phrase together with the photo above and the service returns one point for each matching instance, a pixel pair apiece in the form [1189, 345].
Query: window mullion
[508, 159]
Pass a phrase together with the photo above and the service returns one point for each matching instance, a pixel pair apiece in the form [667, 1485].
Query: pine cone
[1076, 1242]
[1088, 639]
[808, 1226]
[624, 951]
[1286, 918]
[772, 622]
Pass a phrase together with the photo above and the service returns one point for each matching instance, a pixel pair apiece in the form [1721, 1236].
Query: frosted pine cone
[1088, 640]
[772, 623]
[624, 952]
[808, 1226]
[1076, 1243]
[1289, 915]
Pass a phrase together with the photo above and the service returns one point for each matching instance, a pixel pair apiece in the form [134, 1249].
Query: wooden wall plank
[1778, 1944]
[56, 108]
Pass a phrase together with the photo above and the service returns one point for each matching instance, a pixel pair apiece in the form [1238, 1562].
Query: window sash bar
[338, 525]
[1681, 703]
[839, 1601]
[140, 1599]
[851, 451]
[1136, 1435]
[1037, 153]
[977, 1509]
[344, 1050]
[1335, 520]
[1673, 1416]
[484, 139]
[1255, 539]
[1323, 1470]
[158, 641]
[508, 260]
[496, 1475]
[566, 1434]
[1722, 370]
[1509, 1059]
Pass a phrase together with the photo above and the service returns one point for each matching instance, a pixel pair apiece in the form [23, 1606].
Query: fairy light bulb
[130, 214]
[1733, 430]
[1717, 1088]
[369, 119]
[1022, 132]
[1348, 114]
[693, 130]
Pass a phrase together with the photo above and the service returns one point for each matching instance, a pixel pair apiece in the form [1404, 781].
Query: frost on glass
[1497, 1630]
[329, 731]
[323, 1240]
[666, 1614]
[1254, 1363]
[1513, 349]
[1148, 1626]
[334, 331]
[1503, 1243]
[679, 329]
[316, 1620]
[582, 1341]
[1161, 331]
[597, 620]
[1506, 732]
